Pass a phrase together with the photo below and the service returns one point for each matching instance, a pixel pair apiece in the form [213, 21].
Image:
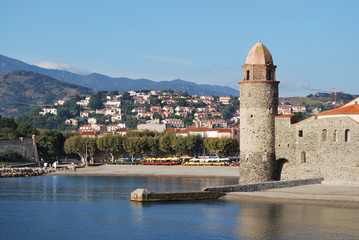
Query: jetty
[144, 195]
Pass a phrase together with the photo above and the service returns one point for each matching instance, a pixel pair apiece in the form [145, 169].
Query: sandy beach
[332, 194]
[148, 170]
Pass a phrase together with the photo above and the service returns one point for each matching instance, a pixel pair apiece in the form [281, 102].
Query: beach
[332, 194]
[148, 170]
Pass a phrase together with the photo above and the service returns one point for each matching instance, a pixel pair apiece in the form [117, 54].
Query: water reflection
[100, 207]
[85, 188]
[287, 221]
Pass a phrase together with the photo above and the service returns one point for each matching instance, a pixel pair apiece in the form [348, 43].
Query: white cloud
[293, 84]
[61, 66]
[167, 59]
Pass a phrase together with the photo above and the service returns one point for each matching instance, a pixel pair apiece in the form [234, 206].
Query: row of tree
[167, 144]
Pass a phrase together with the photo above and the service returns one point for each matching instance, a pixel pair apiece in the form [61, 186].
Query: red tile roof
[351, 109]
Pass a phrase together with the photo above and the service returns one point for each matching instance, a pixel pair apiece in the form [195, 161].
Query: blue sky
[314, 43]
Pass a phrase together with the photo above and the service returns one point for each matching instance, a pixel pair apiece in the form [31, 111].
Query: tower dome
[259, 54]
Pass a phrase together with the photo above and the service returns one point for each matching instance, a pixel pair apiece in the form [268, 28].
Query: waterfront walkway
[325, 194]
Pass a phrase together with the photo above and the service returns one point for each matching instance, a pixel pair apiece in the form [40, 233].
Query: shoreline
[156, 171]
[327, 194]
[308, 202]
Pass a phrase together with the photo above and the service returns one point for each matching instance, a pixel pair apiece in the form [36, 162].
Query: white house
[48, 110]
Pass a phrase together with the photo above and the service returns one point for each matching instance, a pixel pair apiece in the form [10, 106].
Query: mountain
[22, 90]
[102, 82]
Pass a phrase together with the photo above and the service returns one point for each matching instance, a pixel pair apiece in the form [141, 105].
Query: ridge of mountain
[22, 90]
[98, 81]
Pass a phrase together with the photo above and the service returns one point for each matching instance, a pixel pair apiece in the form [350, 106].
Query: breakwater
[143, 195]
[25, 172]
[263, 186]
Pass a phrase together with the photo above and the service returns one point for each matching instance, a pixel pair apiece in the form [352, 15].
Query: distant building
[174, 123]
[116, 117]
[183, 109]
[83, 103]
[152, 127]
[72, 122]
[284, 109]
[214, 123]
[225, 100]
[210, 132]
[59, 102]
[145, 115]
[301, 109]
[45, 111]
[113, 103]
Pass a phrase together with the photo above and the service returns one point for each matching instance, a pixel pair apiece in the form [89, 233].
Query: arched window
[335, 135]
[248, 74]
[303, 157]
[269, 75]
[347, 135]
[324, 135]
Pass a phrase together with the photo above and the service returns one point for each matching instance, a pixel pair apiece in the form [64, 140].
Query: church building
[275, 147]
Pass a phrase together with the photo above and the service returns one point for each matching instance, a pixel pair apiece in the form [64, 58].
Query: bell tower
[258, 108]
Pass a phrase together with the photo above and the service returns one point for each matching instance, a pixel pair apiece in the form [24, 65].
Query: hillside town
[208, 116]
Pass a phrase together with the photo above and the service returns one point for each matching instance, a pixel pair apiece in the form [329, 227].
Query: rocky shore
[25, 172]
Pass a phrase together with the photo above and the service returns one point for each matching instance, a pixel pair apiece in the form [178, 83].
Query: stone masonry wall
[24, 147]
[258, 108]
[318, 148]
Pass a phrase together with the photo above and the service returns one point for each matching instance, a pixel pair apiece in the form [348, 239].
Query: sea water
[99, 207]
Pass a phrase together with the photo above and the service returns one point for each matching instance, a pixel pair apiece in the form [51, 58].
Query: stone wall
[259, 101]
[318, 148]
[263, 186]
[24, 147]
[143, 195]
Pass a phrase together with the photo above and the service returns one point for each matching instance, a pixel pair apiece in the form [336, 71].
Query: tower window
[347, 135]
[300, 133]
[248, 74]
[269, 75]
[303, 157]
[324, 135]
[335, 135]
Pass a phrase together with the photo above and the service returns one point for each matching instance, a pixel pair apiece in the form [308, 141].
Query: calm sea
[98, 207]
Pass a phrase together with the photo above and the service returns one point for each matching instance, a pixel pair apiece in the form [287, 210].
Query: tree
[133, 145]
[141, 133]
[194, 144]
[112, 144]
[126, 96]
[76, 144]
[188, 121]
[91, 147]
[96, 100]
[131, 122]
[221, 146]
[50, 144]
[155, 101]
[113, 93]
[179, 144]
[166, 142]
[6, 122]
[153, 144]
[26, 130]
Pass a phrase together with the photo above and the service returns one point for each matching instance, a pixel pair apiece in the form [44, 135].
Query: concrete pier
[144, 195]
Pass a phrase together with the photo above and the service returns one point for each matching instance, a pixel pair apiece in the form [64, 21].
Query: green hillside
[322, 101]
[22, 90]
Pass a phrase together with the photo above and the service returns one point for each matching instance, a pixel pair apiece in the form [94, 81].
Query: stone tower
[258, 107]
